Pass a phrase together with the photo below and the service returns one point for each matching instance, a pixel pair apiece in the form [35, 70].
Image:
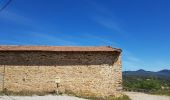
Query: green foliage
[146, 84]
[162, 92]
[150, 84]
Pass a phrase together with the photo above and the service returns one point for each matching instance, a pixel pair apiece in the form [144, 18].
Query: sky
[141, 28]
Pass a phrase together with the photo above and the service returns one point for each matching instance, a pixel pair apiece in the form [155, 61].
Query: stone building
[81, 70]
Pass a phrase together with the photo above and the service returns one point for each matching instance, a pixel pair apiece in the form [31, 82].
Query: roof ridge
[58, 48]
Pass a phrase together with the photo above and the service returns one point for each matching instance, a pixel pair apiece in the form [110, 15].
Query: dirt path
[142, 96]
[48, 97]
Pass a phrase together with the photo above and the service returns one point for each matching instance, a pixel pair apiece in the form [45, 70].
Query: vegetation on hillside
[147, 84]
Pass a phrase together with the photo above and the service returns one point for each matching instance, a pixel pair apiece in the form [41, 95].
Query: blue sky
[141, 28]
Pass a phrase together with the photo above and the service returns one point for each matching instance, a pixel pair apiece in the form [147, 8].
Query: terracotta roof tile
[58, 48]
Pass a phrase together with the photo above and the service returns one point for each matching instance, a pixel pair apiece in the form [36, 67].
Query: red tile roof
[58, 48]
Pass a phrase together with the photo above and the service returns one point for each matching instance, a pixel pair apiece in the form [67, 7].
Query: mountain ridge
[163, 74]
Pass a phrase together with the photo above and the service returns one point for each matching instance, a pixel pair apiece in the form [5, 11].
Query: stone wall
[1, 77]
[86, 73]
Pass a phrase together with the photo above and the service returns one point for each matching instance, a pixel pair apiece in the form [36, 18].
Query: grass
[94, 97]
[1, 93]
[26, 93]
[23, 93]
[161, 92]
[124, 97]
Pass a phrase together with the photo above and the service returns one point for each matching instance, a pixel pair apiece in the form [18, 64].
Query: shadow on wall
[35, 58]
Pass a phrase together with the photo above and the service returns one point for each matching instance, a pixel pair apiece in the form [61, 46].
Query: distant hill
[163, 74]
[147, 81]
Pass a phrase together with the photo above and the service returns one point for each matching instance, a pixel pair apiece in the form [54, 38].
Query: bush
[145, 84]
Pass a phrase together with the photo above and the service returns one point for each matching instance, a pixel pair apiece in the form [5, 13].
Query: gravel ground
[48, 97]
[142, 96]
[132, 95]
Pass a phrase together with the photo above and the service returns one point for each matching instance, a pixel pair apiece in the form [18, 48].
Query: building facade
[81, 70]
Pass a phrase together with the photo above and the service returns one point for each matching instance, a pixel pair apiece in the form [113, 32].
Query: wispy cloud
[103, 40]
[104, 17]
[15, 17]
[159, 64]
[98, 7]
[132, 62]
[51, 39]
[108, 23]
[36, 38]
[19, 19]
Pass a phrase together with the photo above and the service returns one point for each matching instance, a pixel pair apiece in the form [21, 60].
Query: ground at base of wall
[54, 94]
[47, 97]
[50, 97]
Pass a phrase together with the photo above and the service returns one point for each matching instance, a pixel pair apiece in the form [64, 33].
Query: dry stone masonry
[87, 71]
